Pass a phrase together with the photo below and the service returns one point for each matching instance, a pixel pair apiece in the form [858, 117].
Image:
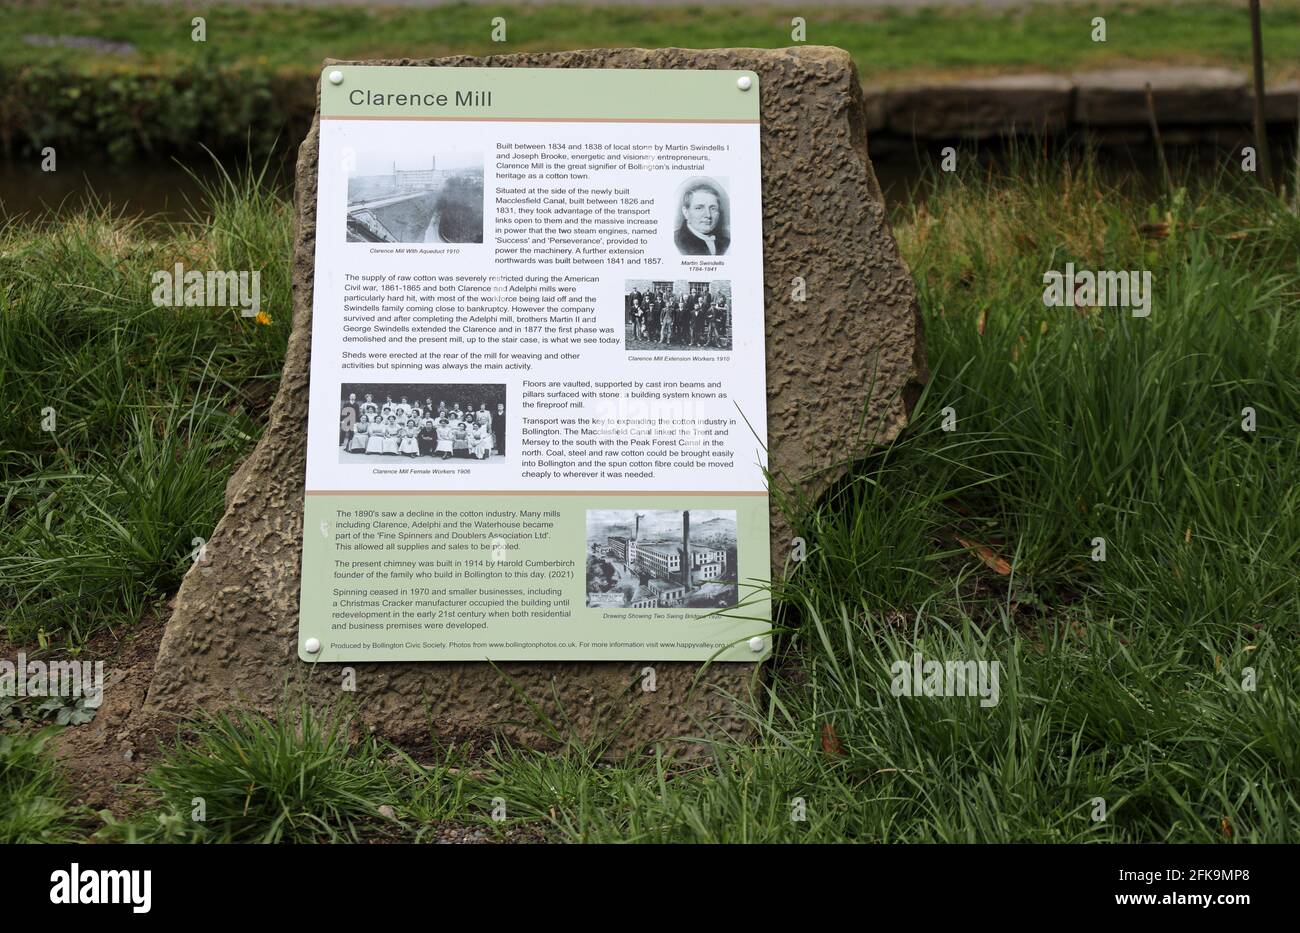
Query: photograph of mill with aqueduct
[440, 201]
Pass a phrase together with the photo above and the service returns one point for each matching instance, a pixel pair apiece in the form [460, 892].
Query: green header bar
[612, 94]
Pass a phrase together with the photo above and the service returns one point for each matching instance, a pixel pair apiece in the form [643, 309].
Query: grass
[150, 406]
[34, 799]
[296, 779]
[884, 42]
[250, 85]
[1127, 679]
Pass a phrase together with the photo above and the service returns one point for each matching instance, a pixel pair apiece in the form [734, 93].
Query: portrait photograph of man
[702, 227]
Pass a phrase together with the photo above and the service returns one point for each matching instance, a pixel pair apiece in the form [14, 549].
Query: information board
[537, 420]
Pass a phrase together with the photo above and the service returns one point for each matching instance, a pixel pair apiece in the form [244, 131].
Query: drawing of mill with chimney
[660, 559]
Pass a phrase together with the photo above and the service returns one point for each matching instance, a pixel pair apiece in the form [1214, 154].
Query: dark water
[906, 173]
[172, 191]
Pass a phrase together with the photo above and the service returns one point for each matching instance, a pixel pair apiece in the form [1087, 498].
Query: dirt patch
[462, 834]
[101, 759]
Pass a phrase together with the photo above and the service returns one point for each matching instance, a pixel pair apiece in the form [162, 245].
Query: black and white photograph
[661, 558]
[405, 199]
[702, 218]
[458, 422]
[677, 315]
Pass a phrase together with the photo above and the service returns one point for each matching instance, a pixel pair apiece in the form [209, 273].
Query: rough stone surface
[232, 637]
[982, 107]
[1181, 95]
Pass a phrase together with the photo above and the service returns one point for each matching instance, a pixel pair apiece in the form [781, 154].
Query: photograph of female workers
[422, 421]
